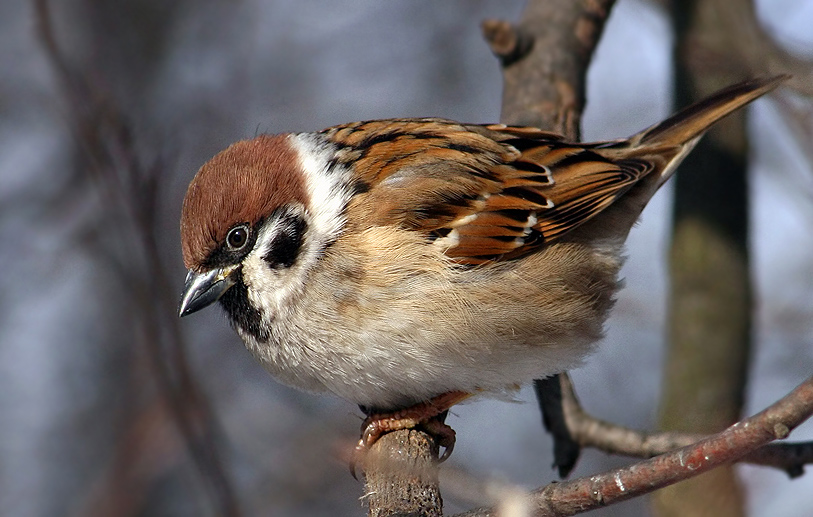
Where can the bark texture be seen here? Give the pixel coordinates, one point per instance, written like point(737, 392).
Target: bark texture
point(402, 477)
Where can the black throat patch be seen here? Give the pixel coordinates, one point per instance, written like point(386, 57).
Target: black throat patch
point(242, 313)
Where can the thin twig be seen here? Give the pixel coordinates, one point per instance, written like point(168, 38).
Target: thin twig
point(733, 444)
point(592, 432)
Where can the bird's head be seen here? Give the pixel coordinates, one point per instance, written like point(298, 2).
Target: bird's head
point(255, 218)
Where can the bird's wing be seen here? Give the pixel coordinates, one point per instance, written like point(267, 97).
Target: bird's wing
point(483, 193)
point(497, 192)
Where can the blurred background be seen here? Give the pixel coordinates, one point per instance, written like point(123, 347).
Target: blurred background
point(110, 405)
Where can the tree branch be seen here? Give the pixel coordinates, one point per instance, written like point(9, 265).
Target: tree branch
point(607, 437)
point(733, 444)
point(402, 476)
point(545, 59)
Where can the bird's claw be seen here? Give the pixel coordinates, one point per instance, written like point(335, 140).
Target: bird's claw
point(428, 416)
point(443, 434)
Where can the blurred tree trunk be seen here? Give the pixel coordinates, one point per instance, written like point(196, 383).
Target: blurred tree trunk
point(710, 301)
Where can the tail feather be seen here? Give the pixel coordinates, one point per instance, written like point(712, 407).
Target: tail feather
point(663, 146)
point(693, 121)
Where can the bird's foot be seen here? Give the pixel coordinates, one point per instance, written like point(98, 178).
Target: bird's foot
point(428, 415)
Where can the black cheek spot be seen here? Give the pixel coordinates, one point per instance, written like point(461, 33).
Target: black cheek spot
point(285, 247)
point(242, 313)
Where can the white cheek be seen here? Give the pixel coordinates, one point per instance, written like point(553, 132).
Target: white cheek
point(273, 290)
point(263, 285)
point(266, 286)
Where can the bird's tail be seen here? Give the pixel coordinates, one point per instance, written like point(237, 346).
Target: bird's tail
point(663, 146)
point(671, 140)
point(691, 122)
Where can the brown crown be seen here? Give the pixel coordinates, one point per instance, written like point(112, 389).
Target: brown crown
point(241, 184)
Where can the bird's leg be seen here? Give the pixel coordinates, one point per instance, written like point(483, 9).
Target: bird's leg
point(424, 414)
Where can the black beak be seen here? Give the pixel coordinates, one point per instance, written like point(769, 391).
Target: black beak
point(203, 289)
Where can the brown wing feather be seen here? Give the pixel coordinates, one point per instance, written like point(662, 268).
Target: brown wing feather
point(551, 188)
point(485, 193)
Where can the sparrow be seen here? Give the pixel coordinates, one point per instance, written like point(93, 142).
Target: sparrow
point(408, 264)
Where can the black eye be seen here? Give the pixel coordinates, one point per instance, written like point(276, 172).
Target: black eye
point(237, 238)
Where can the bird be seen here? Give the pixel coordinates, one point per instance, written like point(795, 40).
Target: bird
point(406, 265)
